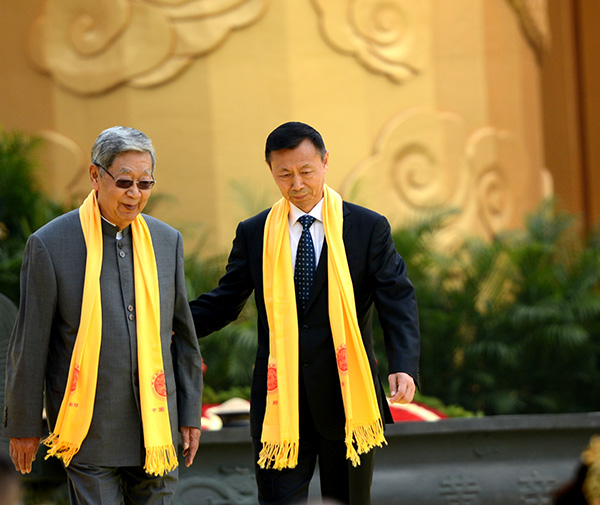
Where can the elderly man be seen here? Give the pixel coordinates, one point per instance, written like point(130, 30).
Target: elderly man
point(104, 332)
point(318, 267)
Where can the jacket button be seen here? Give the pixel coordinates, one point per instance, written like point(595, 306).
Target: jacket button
point(131, 317)
point(305, 327)
point(306, 363)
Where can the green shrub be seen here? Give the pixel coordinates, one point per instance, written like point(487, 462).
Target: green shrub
point(510, 326)
point(228, 354)
point(24, 207)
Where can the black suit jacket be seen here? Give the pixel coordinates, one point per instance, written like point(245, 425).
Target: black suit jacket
point(379, 279)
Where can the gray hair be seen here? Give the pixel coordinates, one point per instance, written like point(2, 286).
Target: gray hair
point(117, 140)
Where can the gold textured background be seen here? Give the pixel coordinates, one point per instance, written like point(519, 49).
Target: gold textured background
point(421, 103)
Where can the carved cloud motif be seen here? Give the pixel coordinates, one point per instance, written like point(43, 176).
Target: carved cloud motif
point(387, 37)
point(417, 164)
point(91, 46)
point(498, 175)
point(424, 160)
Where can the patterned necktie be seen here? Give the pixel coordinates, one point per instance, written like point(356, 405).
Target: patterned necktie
point(305, 261)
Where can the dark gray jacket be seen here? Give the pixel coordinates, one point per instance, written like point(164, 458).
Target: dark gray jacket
point(42, 341)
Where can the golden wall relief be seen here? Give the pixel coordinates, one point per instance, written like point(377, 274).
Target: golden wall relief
point(390, 38)
point(425, 162)
point(92, 46)
point(422, 159)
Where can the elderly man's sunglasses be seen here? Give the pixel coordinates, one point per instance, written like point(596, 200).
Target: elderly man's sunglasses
point(127, 183)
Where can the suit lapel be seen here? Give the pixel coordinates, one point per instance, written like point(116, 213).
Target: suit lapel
point(320, 279)
point(347, 222)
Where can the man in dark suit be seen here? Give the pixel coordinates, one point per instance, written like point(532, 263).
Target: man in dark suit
point(298, 161)
point(105, 335)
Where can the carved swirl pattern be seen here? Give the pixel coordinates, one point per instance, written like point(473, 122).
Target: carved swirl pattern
point(92, 46)
point(496, 169)
point(417, 164)
point(424, 160)
point(387, 37)
point(419, 178)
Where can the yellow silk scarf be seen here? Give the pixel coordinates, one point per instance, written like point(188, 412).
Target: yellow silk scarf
point(75, 415)
point(281, 433)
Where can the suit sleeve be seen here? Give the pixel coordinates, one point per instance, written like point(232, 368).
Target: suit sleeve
point(29, 344)
point(186, 352)
point(214, 310)
point(395, 301)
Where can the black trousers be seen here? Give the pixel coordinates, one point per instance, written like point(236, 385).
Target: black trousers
point(96, 485)
point(340, 481)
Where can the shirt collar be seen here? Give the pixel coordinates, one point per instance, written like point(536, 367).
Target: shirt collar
point(316, 212)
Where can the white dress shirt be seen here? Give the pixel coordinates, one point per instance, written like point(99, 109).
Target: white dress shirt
point(317, 232)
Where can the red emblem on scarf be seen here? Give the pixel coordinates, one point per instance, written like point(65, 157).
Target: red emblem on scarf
point(342, 358)
point(159, 385)
point(75, 379)
point(272, 378)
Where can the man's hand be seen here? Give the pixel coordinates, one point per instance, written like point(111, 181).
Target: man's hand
point(190, 438)
point(402, 388)
point(22, 452)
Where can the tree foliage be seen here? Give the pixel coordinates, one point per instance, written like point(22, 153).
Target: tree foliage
point(24, 207)
point(510, 326)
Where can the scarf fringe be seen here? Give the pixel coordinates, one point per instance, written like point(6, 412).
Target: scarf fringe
point(160, 460)
point(278, 455)
point(59, 448)
point(366, 438)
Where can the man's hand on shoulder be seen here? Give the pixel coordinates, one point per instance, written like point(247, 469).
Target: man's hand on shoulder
point(402, 388)
point(190, 437)
point(23, 451)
